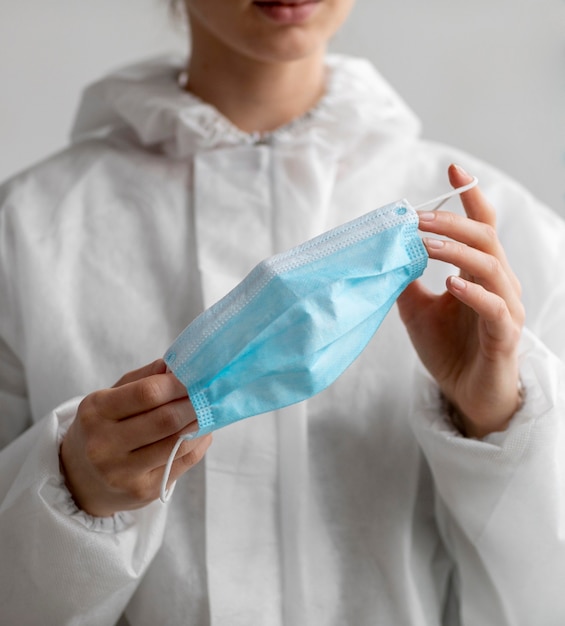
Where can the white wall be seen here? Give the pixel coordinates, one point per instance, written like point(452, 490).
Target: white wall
point(487, 75)
point(49, 49)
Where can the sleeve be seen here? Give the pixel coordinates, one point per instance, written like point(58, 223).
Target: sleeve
point(57, 564)
point(500, 502)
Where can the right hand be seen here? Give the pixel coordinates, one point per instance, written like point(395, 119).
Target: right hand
point(115, 451)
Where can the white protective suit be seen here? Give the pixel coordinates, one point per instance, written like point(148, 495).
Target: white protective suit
point(361, 506)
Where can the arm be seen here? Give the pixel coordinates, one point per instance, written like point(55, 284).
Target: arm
point(65, 557)
point(500, 504)
point(468, 337)
point(59, 562)
point(499, 490)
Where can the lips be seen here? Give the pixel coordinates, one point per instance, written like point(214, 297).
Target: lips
point(284, 2)
point(287, 12)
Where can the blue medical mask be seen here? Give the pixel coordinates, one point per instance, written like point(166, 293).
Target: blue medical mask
point(298, 320)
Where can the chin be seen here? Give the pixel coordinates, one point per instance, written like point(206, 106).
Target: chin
point(289, 47)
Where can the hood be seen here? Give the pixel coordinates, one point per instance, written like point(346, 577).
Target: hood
point(146, 99)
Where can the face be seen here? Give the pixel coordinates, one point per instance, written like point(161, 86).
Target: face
point(269, 30)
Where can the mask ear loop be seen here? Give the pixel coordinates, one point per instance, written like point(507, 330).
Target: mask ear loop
point(166, 494)
point(441, 200)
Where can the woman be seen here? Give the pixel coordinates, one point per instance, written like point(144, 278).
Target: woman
point(388, 498)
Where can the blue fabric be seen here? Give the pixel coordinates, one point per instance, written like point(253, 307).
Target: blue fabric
point(298, 320)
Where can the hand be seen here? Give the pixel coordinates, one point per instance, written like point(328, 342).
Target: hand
point(468, 336)
point(114, 453)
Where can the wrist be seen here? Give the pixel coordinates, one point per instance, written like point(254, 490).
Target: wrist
point(480, 428)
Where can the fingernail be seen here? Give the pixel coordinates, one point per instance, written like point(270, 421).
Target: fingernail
point(457, 283)
point(436, 244)
point(461, 171)
point(427, 216)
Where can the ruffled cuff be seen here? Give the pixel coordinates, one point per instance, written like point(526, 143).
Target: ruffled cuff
point(472, 476)
point(97, 562)
point(433, 412)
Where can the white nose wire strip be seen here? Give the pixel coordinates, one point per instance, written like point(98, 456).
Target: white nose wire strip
point(441, 200)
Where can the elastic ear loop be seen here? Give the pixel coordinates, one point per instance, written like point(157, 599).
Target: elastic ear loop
point(166, 494)
point(441, 200)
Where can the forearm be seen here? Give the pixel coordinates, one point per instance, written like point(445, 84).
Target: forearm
point(75, 564)
point(500, 501)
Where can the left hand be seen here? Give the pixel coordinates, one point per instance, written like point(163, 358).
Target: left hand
point(468, 336)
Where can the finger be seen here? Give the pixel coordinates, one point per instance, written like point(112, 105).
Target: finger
point(484, 269)
point(187, 457)
point(140, 396)
point(413, 301)
point(139, 481)
point(471, 233)
point(147, 428)
point(156, 454)
point(156, 367)
point(474, 202)
point(479, 209)
point(502, 329)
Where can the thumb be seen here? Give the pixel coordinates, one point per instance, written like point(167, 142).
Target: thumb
point(413, 301)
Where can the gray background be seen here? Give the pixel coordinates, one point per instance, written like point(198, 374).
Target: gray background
point(487, 76)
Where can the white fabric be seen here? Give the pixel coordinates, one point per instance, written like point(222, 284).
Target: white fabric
point(361, 506)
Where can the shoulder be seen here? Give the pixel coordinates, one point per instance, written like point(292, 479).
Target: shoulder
point(52, 177)
point(81, 177)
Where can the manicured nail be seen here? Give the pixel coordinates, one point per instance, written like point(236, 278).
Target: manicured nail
point(427, 216)
point(461, 171)
point(457, 283)
point(435, 244)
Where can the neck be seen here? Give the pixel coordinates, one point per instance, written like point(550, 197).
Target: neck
point(255, 96)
